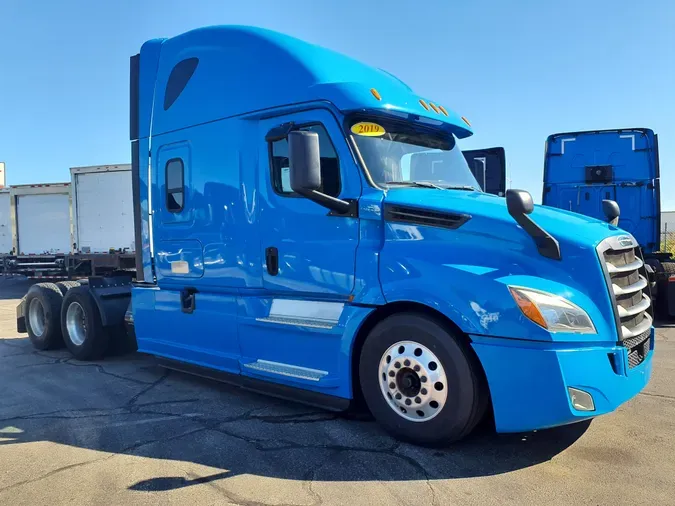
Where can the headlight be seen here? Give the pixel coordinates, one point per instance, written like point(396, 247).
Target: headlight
point(552, 312)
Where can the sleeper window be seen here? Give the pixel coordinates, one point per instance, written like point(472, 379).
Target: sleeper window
point(174, 185)
point(330, 165)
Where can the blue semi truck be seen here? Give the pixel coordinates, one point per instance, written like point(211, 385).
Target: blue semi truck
point(581, 169)
point(311, 229)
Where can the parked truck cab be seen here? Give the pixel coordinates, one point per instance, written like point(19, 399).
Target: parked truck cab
point(581, 169)
point(310, 228)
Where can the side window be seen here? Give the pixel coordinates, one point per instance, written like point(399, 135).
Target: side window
point(174, 185)
point(330, 164)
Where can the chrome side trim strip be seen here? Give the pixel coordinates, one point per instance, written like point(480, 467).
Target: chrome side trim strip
point(293, 371)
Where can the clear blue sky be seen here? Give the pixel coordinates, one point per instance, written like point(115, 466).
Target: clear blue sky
point(518, 70)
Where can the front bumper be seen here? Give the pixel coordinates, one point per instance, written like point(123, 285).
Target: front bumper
point(529, 380)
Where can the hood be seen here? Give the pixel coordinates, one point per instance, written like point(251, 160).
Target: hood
point(464, 248)
point(490, 216)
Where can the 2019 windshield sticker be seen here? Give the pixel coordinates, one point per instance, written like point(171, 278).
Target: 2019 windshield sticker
point(368, 129)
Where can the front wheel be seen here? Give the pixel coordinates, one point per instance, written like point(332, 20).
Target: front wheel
point(419, 380)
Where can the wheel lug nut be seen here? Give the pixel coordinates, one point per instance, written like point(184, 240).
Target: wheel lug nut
point(398, 396)
point(392, 373)
point(416, 368)
point(406, 362)
point(418, 400)
point(423, 379)
point(423, 391)
point(408, 402)
point(397, 365)
point(392, 385)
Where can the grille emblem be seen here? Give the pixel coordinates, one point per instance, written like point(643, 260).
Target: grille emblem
point(625, 240)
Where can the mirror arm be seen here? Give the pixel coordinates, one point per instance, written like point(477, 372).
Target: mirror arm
point(547, 245)
point(519, 205)
point(337, 206)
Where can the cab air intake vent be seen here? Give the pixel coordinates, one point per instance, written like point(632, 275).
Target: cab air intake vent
point(417, 216)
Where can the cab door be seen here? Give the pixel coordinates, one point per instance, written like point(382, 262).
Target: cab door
point(291, 331)
point(309, 252)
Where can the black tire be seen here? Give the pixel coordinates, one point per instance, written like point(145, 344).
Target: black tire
point(668, 268)
point(49, 298)
point(64, 286)
point(467, 395)
point(93, 340)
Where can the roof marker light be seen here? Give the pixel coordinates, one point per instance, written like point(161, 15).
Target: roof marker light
point(443, 110)
point(466, 121)
point(376, 94)
point(433, 106)
point(424, 104)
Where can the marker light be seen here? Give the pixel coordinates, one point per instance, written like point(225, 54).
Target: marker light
point(443, 110)
point(433, 106)
point(528, 308)
point(552, 312)
point(466, 121)
point(424, 104)
point(376, 94)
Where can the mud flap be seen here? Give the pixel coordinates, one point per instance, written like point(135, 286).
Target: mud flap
point(112, 295)
point(21, 317)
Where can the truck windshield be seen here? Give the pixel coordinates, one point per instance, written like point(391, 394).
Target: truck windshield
point(395, 153)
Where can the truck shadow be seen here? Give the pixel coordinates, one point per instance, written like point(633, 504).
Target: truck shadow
point(127, 406)
point(482, 454)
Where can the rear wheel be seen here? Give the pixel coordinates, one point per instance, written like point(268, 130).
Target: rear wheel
point(420, 382)
point(43, 312)
point(64, 286)
point(668, 268)
point(83, 333)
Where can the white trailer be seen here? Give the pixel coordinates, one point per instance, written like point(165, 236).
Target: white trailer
point(5, 223)
point(73, 230)
point(41, 218)
point(40, 224)
point(103, 218)
point(668, 222)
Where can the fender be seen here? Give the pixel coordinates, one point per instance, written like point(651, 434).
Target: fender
point(112, 296)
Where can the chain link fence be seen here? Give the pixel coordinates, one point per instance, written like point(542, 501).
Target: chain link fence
point(668, 241)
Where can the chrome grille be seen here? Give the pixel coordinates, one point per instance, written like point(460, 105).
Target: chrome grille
point(627, 283)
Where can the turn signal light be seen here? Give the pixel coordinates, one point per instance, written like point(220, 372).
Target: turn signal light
point(529, 309)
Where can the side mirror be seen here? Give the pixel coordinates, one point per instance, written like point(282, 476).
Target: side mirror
point(519, 202)
point(612, 211)
point(304, 161)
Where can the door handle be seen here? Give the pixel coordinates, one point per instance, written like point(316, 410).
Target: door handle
point(188, 300)
point(272, 260)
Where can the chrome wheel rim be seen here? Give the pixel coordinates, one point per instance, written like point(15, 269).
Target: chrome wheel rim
point(75, 323)
point(36, 317)
point(413, 381)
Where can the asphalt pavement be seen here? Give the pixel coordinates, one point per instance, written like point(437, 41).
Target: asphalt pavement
point(125, 431)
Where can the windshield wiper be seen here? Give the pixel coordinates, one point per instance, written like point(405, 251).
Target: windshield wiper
point(427, 184)
point(419, 184)
point(464, 187)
